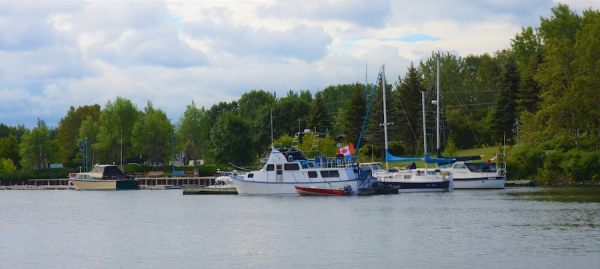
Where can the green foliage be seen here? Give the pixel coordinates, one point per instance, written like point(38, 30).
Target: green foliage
point(36, 174)
point(524, 163)
point(340, 124)
point(506, 102)
point(37, 148)
point(87, 131)
point(153, 128)
point(365, 153)
point(194, 125)
point(254, 108)
point(312, 145)
point(68, 129)
point(318, 118)
point(408, 98)
point(450, 149)
point(7, 166)
point(284, 141)
point(236, 148)
point(115, 129)
point(354, 115)
point(9, 149)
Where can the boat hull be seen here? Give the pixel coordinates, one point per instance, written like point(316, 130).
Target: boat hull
point(442, 186)
point(313, 191)
point(480, 183)
point(93, 184)
point(245, 187)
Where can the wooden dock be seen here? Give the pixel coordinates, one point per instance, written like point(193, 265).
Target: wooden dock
point(521, 183)
point(203, 190)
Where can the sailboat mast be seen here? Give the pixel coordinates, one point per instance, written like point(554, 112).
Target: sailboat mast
point(424, 132)
point(437, 121)
point(384, 113)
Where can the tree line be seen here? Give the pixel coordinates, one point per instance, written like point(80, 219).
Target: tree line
point(546, 86)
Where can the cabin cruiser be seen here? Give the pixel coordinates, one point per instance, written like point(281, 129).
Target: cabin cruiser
point(104, 177)
point(289, 167)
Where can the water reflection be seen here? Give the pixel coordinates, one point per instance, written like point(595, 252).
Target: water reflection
point(562, 194)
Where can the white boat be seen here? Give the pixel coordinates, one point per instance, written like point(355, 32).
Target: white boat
point(469, 175)
point(289, 167)
point(104, 177)
point(409, 180)
point(223, 185)
point(479, 175)
point(413, 180)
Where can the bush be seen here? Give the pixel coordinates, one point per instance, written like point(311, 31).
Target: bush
point(582, 166)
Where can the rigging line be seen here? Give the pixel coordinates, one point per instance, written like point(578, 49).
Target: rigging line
point(464, 114)
point(480, 91)
point(461, 105)
point(407, 120)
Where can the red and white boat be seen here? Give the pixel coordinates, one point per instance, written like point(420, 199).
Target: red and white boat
point(324, 191)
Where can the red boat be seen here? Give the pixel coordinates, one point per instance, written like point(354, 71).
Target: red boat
point(316, 191)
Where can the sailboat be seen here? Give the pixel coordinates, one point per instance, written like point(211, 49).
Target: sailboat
point(409, 179)
point(467, 175)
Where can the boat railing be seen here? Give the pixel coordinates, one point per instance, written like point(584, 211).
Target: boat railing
point(333, 162)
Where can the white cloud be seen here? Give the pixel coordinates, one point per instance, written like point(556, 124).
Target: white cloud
point(57, 54)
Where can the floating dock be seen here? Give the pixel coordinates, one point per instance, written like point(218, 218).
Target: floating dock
point(203, 190)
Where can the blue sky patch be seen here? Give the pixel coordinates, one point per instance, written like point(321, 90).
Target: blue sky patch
point(177, 21)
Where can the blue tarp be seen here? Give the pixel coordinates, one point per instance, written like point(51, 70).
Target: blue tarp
point(438, 160)
point(391, 158)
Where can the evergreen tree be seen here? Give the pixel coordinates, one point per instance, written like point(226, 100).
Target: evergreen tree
point(505, 113)
point(375, 132)
point(529, 91)
point(408, 96)
point(355, 115)
point(318, 118)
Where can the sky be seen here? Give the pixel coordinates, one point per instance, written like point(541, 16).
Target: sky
point(58, 54)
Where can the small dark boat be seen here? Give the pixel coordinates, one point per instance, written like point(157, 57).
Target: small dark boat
point(324, 191)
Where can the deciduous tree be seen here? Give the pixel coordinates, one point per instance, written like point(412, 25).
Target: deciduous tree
point(116, 125)
point(231, 140)
point(151, 134)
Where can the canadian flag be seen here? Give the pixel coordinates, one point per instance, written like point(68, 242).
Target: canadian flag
point(495, 157)
point(347, 150)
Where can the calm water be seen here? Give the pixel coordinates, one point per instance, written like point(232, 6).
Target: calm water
point(512, 228)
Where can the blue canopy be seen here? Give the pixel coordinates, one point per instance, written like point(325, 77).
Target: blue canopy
point(391, 158)
point(437, 160)
point(462, 158)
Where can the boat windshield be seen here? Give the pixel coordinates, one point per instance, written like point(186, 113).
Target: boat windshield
point(96, 169)
point(481, 167)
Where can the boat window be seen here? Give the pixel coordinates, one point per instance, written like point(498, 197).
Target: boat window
point(270, 167)
point(330, 173)
point(250, 175)
point(291, 166)
point(312, 174)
